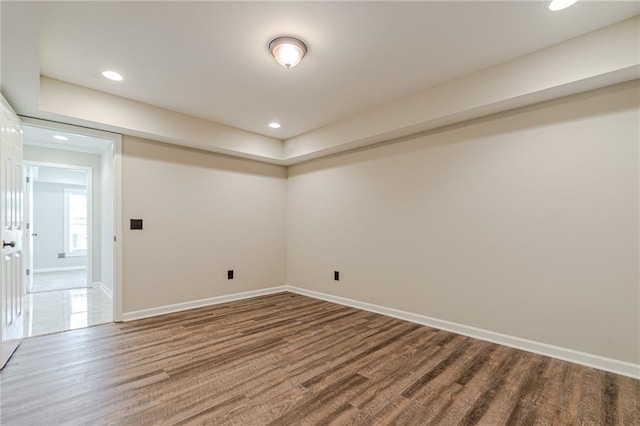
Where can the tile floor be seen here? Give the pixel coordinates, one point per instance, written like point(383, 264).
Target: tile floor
point(55, 311)
point(60, 280)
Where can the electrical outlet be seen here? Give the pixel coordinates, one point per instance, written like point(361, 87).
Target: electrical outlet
point(336, 275)
point(230, 274)
point(61, 255)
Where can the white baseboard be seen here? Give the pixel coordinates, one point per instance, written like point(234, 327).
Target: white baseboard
point(577, 357)
point(106, 290)
point(60, 269)
point(152, 312)
point(570, 355)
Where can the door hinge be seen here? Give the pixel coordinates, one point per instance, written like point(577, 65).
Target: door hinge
point(28, 272)
point(114, 238)
point(28, 179)
point(28, 225)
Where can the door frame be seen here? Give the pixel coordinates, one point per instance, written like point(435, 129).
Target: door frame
point(90, 212)
point(116, 140)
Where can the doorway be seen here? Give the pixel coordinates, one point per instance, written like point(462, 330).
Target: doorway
point(69, 244)
point(59, 212)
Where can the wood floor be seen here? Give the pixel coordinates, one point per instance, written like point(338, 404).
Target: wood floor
point(286, 359)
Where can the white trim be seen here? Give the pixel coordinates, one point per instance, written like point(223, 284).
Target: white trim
point(577, 357)
point(90, 212)
point(565, 354)
point(117, 229)
point(60, 269)
point(152, 312)
point(106, 290)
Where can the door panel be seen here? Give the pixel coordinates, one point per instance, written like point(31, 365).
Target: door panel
point(28, 227)
point(11, 220)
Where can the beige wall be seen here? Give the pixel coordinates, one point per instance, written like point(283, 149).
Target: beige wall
point(606, 56)
point(525, 223)
point(81, 105)
point(203, 214)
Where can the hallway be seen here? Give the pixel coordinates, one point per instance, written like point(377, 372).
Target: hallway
point(61, 310)
point(59, 280)
point(69, 207)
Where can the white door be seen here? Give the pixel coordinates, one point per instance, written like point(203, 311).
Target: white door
point(12, 270)
point(29, 228)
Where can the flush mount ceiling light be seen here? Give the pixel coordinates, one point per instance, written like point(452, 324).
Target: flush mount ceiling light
point(556, 5)
point(288, 51)
point(274, 125)
point(61, 138)
point(112, 75)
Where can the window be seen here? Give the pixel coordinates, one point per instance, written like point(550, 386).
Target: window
point(75, 221)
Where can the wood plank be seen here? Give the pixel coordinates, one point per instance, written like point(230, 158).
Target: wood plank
point(289, 359)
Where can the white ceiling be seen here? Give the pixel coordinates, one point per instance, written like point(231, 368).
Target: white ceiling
point(43, 137)
point(210, 59)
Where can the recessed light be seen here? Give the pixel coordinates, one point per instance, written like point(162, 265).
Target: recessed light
point(112, 75)
point(274, 125)
point(556, 5)
point(61, 138)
